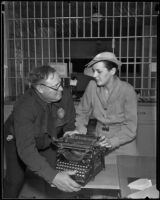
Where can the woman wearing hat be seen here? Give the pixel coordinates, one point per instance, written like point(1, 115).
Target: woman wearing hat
point(113, 103)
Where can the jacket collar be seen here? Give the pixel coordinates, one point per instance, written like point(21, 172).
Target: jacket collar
point(38, 98)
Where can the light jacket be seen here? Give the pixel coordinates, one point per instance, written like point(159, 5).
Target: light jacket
point(118, 113)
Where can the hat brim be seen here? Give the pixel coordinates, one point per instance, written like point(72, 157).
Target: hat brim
point(92, 62)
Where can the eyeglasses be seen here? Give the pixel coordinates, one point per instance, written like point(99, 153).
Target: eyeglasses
point(53, 88)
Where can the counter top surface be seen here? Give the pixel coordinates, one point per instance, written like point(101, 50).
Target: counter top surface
point(131, 168)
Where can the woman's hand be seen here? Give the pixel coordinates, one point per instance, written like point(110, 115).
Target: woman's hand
point(105, 142)
point(82, 130)
point(71, 133)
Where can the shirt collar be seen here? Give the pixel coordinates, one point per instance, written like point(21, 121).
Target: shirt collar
point(113, 93)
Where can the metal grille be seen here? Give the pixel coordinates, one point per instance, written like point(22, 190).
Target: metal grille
point(42, 32)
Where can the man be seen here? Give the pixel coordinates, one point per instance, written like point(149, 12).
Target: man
point(44, 112)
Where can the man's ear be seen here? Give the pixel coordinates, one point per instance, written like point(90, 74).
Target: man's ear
point(39, 88)
point(113, 71)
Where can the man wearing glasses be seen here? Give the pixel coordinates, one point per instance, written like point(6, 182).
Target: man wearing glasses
point(44, 112)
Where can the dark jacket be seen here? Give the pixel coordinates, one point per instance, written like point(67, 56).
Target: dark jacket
point(34, 123)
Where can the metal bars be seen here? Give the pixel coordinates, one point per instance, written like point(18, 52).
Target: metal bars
point(150, 53)
point(42, 31)
point(113, 28)
point(55, 11)
point(98, 19)
point(35, 43)
point(49, 56)
point(21, 62)
point(127, 44)
point(62, 35)
point(15, 54)
point(91, 21)
point(135, 47)
point(116, 26)
point(76, 19)
point(69, 41)
point(142, 66)
point(106, 19)
point(83, 19)
point(120, 38)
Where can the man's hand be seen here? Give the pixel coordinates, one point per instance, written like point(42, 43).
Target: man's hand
point(64, 182)
point(104, 142)
point(71, 133)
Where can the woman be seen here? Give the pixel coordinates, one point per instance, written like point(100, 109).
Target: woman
point(113, 103)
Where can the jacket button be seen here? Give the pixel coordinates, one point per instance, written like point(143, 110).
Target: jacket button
point(105, 128)
point(9, 137)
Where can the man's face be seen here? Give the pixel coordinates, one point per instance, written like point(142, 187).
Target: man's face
point(51, 89)
point(101, 74)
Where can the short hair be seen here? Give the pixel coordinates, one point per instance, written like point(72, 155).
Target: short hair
point(38, 74)
point(109, 65)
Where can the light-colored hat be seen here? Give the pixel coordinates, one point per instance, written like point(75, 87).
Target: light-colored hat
point(109, 56)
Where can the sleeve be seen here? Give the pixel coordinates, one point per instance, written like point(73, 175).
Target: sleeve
point(43, 142)
point(26, 144)
point(129, 127)
point(70, 111)
point(84, 109)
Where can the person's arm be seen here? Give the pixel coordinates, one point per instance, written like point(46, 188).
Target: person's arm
point(128, 130)
point(70, 113)
point(43, 142)
point(25, 132)
point(84, 109)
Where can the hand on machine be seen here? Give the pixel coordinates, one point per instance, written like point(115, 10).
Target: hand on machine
point(104, 142)
point(83, 131)
point(70, 133)
point(64, 181)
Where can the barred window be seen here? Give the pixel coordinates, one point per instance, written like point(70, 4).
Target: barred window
point(67, 32)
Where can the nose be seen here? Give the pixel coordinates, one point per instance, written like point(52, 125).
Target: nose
point(60, 88)
point(95, 74)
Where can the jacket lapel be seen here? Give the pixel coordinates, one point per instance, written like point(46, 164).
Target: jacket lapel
point(115, 91)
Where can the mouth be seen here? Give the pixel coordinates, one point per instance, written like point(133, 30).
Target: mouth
point(98, 81)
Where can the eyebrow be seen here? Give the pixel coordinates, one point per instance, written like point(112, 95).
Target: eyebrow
point(98, 70)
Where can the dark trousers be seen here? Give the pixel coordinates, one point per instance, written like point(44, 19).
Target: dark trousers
point(15, 171)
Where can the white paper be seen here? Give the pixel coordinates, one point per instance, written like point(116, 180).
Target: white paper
point(140, 184)
point(150, 192)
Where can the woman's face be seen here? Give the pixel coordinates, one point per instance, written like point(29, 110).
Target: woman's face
point(101, 74)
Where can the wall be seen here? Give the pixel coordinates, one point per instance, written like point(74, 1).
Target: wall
point(146, 130)
point(89, 48)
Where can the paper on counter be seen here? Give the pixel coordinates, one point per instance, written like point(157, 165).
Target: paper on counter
point(140, 184)
point(150, 192)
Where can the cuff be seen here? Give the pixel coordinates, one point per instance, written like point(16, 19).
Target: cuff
point(49, 174)
point(115, 142)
